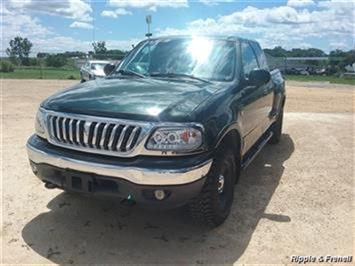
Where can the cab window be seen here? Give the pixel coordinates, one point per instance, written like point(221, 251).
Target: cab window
point(249, 59)
point(260, 56)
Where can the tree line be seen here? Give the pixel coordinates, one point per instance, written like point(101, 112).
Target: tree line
point(19, 51)
point(20, 48)
point(338, 59)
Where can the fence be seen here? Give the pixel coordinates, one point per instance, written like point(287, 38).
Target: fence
point(287, 63)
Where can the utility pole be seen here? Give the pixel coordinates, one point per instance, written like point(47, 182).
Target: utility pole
point(148, 20)
point(93, 23)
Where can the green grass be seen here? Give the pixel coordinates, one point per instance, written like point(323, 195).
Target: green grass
point(331, 79)
point(45, 73)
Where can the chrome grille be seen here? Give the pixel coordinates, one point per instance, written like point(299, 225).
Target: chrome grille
point(99, 136)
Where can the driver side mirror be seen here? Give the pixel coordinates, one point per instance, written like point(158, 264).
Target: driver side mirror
point(259, 77)
point(108, 69)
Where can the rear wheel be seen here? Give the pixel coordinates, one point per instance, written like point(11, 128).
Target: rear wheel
point(276, 128)
point(212, 206)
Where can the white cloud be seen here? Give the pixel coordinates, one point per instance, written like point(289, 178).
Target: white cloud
point(338, 45)
point(81, 25)
point(109, 14)
point(283, 25)
point(14, 24)
point(214, 2)
point(148, 4)
point(15, 21)
point(73, 9)
point(115, 13)
point(59, 44)
point(300, 3)
point(122, 44)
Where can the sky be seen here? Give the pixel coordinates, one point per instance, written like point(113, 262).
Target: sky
point(70, 25)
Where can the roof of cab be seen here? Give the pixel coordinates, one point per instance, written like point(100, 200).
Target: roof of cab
point(219, 37)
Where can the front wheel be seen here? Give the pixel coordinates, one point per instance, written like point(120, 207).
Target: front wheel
point(212, 206)
point(81, 78)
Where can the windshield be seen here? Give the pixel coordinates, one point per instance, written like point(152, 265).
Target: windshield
point(199, 57)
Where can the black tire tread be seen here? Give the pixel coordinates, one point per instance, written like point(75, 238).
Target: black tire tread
point(203, 207)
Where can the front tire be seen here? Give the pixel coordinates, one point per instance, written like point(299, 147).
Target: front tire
point(81, 78)
point(212, 206)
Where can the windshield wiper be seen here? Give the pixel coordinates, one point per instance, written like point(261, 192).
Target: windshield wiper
point(127, 72)
point(176, 75)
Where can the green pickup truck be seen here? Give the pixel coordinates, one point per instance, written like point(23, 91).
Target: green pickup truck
point(172, 125)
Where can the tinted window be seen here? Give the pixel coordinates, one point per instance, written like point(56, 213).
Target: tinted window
point(260, 56)
point(249, 59)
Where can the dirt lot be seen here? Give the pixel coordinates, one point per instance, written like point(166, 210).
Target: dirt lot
point(294, 199)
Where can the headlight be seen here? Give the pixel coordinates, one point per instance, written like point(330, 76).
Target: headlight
point(175, 139)
point(40, 124)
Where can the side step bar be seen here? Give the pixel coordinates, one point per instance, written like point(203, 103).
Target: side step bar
point(254, 151)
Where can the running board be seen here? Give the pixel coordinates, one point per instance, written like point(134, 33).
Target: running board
point(255, 151)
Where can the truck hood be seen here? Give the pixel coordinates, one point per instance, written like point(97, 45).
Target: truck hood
point(132, 98)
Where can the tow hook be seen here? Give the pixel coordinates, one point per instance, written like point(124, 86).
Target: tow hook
point(50, 185)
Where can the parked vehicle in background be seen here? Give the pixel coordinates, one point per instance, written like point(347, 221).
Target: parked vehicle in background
point(297, 71)
point(93, 69)
point(290, 71)
point(172, 125)
point(321, 71)
point(304, 72)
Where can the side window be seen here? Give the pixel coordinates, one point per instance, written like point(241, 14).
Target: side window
point(249, 60)
point(260, 56)
point(140, 62)
point(130, 54)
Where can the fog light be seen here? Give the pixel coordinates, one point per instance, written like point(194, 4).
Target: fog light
point(159, 194)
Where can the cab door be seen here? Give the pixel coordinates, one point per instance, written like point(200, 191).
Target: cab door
point(252, 99)
point(267, 89)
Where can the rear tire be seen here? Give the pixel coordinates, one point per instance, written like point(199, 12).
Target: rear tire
point(276, 128)
point(212, 206)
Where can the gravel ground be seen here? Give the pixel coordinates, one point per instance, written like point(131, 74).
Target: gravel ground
point(294, 199)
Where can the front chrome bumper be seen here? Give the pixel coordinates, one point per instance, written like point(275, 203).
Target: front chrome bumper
point(141, 176)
